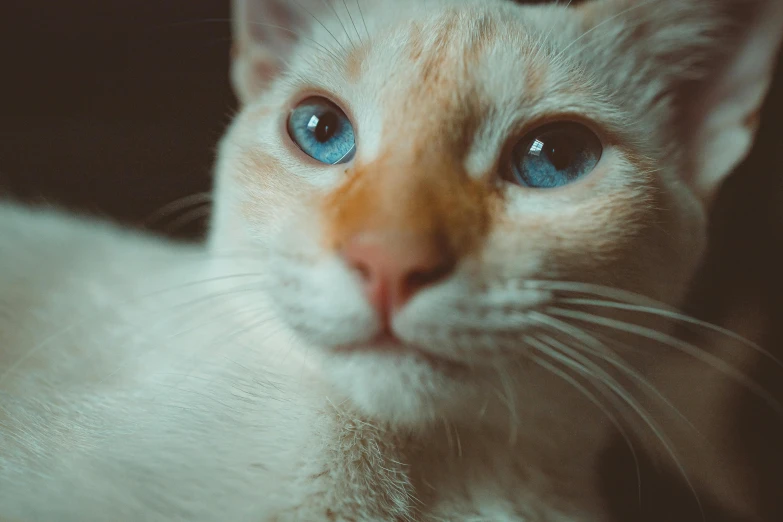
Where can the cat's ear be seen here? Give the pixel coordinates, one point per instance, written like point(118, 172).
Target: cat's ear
point(714, 58)
point(265, 33)
point(726, 107)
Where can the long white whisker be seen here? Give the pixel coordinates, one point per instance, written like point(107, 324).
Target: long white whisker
point(79, 322)
point(201, 324)
point(618, 294)
point(509, 392)
point(200, 212)
point(449, 440)
point(623, 394)
point(321, 24)
point(301, 36)
point(674, 316)
point(599, 349)
point(598, 26)
point(182, 203)
point(542, 41)
point(685, 347)
point(569, 355)
point(225, 339)
point(605, 410)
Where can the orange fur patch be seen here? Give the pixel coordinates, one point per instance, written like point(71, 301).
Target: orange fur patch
point(433, 200)
point(433, 63)
point(354, 62)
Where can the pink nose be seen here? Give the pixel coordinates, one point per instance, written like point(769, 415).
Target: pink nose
point(394, 269)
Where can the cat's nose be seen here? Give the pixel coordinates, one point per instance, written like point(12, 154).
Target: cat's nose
point(394, 269)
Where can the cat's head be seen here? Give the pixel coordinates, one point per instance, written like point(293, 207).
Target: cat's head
point(424, 181)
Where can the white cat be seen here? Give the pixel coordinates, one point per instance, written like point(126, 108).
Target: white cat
point(384, 324)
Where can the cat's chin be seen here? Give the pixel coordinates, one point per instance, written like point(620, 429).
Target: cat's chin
point(400, 385)
point(389, 346)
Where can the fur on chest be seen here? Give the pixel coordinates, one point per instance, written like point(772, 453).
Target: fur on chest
point(368, 473)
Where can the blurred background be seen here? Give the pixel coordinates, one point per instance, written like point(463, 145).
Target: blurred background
point(114, 107)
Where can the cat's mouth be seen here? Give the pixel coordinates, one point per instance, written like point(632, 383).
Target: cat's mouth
point(389, 345)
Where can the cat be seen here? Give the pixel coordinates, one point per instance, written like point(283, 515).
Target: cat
point(447, 240)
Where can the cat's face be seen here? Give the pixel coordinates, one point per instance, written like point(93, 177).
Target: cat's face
point(416, 175)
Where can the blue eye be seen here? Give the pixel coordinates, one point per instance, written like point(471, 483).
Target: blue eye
point(555, 155)
point(322, 131)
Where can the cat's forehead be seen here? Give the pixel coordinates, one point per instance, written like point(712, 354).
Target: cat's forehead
point(467, 48)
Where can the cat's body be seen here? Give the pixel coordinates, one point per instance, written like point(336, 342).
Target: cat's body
point(389, 332)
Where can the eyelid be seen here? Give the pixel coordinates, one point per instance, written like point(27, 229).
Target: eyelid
point(317, 92)
point(606, 137)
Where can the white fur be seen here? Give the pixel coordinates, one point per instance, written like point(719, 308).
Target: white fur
point(142, 379)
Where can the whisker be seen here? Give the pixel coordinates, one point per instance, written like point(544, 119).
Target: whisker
point(685, 347)
point(201, 212)
point(364, 22)
point(321, 24)
point(567, 355)
point(609, 292)
point(632, 301)
point(449, 440)
point(508, 390)
point(599, 349)
point(345, 4)
point(90, 318)
point(340, 20)
point(677, 317)
point(605, 410)
point(301, 36)
point(598, 26)
point(201, 324)
point(542, 40)
point(191, 284)
point(225, 339)
point(178, 204)
point(623, 394)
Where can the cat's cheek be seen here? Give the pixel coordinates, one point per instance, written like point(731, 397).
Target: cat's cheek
point(316, 295)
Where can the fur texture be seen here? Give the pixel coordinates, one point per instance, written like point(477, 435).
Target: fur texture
point(145, 380)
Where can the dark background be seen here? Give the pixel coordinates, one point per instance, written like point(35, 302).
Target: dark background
point(114, 107)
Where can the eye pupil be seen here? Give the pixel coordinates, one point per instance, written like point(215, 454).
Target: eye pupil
point(326, 127)
point(561, 152)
